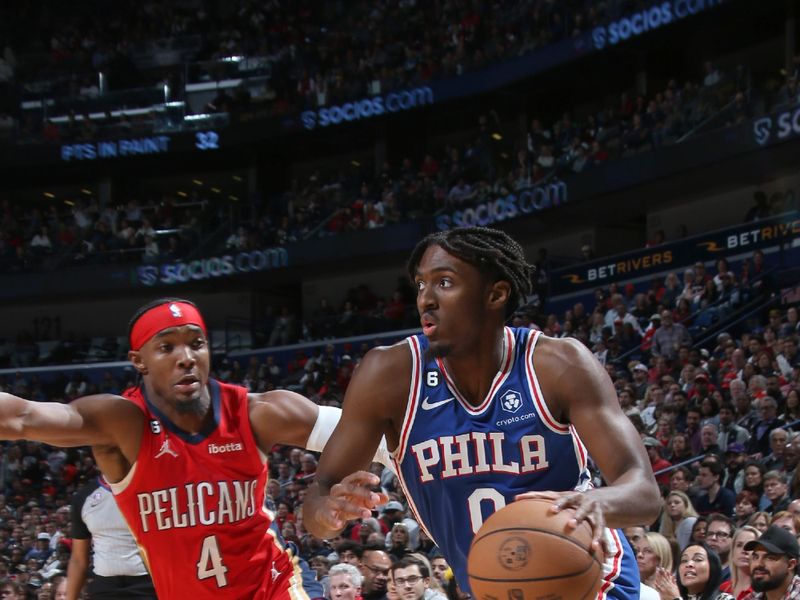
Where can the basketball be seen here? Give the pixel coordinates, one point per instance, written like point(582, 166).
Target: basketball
point(523, 552)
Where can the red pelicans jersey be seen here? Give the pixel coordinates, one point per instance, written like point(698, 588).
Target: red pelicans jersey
point(195, 505)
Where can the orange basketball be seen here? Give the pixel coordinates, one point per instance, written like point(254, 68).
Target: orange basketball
point(522, 552)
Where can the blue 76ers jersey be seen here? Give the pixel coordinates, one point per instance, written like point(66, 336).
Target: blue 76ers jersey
point(458, 463)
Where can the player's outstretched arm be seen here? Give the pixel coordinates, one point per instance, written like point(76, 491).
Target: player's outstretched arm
point(283, 417)
point(578, 390)
point(373, 406)
point(102, 420)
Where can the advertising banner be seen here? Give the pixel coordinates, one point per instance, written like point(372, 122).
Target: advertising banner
point(677, 255)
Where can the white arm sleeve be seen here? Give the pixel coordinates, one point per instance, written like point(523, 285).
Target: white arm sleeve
point(327, 419)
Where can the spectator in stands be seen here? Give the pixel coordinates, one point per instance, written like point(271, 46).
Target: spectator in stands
point(708, 440)
point(746, 506)
point(739, 582)
point(719, 537)
point(699, 576)
point(729, 431)
point(669, 337)
point(713, 498)
point(759, 442)
point(652, 551)
point(773, 561)
point(344, 582)
point(678, 518)
point(778, 439)
point(777, 492)
point(375, 566)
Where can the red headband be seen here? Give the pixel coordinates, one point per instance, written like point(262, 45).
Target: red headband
point(161, 317)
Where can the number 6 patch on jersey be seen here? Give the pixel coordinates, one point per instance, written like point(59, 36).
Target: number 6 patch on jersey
point(432, 378)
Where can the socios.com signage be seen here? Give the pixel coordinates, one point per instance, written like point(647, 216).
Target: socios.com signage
point(209, 268)
point(656, 16)
point(525, 202)
point(777, 128)
point(367, 108)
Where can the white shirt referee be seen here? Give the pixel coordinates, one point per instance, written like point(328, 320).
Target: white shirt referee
point(97, 523)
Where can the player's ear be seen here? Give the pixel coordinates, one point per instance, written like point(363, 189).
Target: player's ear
point(499, 294)
point(135, 357)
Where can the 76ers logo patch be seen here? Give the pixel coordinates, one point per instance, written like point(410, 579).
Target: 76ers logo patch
point(511, 401)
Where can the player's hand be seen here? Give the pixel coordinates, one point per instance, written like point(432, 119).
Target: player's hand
point(585, 507)
point(352, 498)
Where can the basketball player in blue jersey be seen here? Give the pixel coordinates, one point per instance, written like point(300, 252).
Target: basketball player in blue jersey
point(479, 414)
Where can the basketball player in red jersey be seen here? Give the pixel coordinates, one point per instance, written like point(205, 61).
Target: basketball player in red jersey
point(186, 459)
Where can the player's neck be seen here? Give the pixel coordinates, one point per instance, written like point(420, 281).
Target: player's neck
point(192, 417)
point(473, 372)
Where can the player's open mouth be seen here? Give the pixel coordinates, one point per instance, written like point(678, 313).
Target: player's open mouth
point(428, 324)
point(188, 383)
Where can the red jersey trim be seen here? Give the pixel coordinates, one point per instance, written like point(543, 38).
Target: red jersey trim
point(533, 383)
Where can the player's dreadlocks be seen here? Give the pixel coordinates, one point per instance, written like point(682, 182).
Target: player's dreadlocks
point(143, 309)
point(491, 251)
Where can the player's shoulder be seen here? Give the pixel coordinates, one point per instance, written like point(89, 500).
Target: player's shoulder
point(112, 405)
point(558, 351)
point(394, 358)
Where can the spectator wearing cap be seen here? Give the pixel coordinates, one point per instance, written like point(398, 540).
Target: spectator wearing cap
point(773, 560)
point(639, 382)
point(735, 459)
point(392, 513)
point(702, 387)
point(669, 338)
point(657, 462)
point(729, 431)
point(41, 549)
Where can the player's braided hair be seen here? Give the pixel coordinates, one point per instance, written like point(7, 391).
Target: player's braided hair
point(143, 309)
point(491, 251)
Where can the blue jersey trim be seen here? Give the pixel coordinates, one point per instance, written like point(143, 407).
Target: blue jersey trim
point(190, 438)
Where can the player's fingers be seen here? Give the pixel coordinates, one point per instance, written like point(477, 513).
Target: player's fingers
point(342, 510)
point(358, 495)
point(538, 496)
point(572, 500)
point(598, 523)
point(363, 478)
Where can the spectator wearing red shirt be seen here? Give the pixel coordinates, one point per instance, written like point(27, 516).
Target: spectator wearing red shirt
point(653, 447)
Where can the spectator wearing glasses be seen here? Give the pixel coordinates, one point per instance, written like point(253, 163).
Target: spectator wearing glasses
point(719, 536)
point(375, 566)
point(411, 579)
